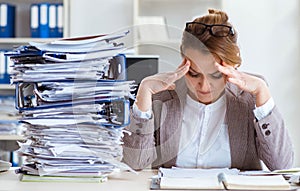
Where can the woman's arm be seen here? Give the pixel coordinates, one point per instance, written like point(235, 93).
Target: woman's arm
point(273, 142)
point(139, 149)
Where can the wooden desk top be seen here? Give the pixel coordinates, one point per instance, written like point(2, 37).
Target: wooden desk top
point(9, 181)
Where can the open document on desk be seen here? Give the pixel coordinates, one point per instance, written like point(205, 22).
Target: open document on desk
point(216, 179)
point(74, 111)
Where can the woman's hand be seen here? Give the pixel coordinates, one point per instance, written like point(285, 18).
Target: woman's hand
point(165, 81)
point(157, 83)
point(246, 82)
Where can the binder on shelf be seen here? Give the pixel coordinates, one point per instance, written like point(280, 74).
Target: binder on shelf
point(60, 19)
point(52, 20)
point(44, 20)
point(34, 21)
point(7, 20)
point(4, 68)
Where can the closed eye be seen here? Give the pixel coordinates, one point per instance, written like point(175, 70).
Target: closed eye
point(217, 75)
point(193, 74)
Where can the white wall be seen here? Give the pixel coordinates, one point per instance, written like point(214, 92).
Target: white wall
point(268, 37)
point(269, 40)
point(90, 17)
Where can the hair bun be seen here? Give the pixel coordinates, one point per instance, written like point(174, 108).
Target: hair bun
point(223, 16)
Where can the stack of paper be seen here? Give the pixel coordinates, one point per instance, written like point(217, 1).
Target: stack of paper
point(73, 107)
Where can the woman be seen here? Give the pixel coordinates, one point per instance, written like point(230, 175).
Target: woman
point(207, 114)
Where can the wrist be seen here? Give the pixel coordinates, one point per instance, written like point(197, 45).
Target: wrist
point(143, 98)
point(262, 94)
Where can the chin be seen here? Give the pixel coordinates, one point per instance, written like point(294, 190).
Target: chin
point(205, 102)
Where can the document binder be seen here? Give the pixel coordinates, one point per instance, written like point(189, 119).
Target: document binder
point(52, 20)
point(4, 68)
point(44, 20)
point(60, 19)
point(7, 20)
point(34, 21)
point(112, 113)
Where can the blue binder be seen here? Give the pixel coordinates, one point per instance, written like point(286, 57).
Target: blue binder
point(4, 75)
point(34, 21)
point(116, 110)
point(53, 20)
point(7, 20)
point(44, 20)
point(2, 67)
point(60, 20)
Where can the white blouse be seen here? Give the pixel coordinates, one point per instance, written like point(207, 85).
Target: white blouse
point(204, 140)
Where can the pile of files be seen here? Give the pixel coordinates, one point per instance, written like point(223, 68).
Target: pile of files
point(74, 99)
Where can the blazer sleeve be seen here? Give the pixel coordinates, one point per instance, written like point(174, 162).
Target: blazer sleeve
point(273, 142)
point(139, 145)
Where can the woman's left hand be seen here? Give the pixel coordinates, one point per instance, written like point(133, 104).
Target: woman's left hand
point(246, 82)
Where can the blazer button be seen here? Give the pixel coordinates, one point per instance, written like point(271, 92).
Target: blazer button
point(138, 131)
point(265, 125)
point(268, 132)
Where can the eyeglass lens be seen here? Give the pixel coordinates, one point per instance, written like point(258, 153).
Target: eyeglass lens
point(216, 30)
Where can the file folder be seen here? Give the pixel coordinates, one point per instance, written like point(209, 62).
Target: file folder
point(44, 20)
point(60, 20)
point(52, 20)
point(7, 20)
point(34, 21)
point(4, 68)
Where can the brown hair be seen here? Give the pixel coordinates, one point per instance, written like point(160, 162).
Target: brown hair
point(224, 48)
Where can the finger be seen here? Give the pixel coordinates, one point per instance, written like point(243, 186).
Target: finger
point(226, 69)
point(180, 72)
point(182, 63)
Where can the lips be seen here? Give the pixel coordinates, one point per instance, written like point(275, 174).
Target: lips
point(204, 93)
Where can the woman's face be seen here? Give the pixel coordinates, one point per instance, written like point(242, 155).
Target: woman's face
point(205, 83)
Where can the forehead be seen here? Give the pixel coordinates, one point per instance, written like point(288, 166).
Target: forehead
point(201, 62)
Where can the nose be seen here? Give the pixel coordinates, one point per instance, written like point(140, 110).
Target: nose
point(204, 84)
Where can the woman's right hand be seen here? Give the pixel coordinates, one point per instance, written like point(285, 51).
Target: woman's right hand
point(157, 83)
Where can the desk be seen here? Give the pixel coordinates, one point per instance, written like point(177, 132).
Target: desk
point(9, 181)
point(124, 181)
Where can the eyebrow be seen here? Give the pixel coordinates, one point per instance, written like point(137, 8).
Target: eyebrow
point(216, 72)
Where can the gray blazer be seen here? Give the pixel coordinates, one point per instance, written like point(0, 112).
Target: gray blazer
point(155, 141)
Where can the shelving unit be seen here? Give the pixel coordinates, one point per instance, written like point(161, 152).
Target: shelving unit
point(175, 13)
point(22, 18)
point(22, 27)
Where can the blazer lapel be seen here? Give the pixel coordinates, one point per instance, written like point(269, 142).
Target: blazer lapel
point(171, 121)
point(237, 127)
